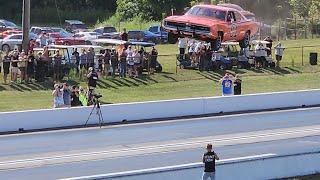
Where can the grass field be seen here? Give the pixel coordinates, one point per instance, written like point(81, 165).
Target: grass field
point(186, 83)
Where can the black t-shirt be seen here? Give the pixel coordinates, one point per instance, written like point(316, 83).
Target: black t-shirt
point(14, 58)
point(124, 36)
point(209, 161)
point(92, 80)
point(75, 99)
point(237, 87)
point(77, 56)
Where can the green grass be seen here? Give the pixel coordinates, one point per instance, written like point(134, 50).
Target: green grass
point(169, 85)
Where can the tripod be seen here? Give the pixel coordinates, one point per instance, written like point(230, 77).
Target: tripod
point(96, 107)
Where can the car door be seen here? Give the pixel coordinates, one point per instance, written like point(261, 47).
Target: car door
point(232, 26)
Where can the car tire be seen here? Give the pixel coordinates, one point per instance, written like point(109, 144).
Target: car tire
point(172, 38)
point(222, 66)
point(246, 41)
point(5, 47)
point(240, 65)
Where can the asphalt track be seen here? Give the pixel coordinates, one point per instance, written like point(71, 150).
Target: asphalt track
point(81, 152)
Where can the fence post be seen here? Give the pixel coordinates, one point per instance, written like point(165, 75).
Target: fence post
point(279, 30)
point(302, 56)
point(312, 26)
point(295, 28)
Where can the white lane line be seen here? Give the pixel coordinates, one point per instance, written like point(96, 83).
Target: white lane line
point(259, 136)
point(166, 168)
point(169, 121)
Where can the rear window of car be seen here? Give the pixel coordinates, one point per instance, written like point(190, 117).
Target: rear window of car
point(153, 29)
point(16, 37)
point(207, 12)
point(79, 26)
point(109, 30)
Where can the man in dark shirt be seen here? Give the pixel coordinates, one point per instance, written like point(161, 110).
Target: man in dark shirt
point(209, 160)
point(237, 85)
point(77, 58)
point(124, 35)
point(92, 78)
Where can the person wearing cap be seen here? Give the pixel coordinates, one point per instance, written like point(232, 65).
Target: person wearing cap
point(209, 159)
point(227, 85)
point(92, 78)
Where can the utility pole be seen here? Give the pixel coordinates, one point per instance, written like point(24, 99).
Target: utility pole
point(25, 25)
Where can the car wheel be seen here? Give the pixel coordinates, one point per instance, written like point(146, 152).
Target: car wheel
point(240, 66)
point(222, 67)
point(246, 41)
point(172, 38)
point(5, 47)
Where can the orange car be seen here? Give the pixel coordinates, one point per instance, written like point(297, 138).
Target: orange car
point(214, 24)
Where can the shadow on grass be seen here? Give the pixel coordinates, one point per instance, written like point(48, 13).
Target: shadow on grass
point(170, 78)
point(293, 70)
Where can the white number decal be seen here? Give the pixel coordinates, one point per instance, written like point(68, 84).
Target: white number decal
point(233, 30)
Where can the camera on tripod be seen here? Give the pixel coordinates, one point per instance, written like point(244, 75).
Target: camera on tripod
point(97, 96)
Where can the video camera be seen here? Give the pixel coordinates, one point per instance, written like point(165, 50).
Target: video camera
point(97, 96)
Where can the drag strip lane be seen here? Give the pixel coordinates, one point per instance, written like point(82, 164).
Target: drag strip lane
point(159, 147)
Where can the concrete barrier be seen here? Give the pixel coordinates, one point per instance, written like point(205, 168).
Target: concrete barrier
point(55, 118)
point(267, 166)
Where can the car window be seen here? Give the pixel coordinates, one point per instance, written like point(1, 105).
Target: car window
point(10, 24)
point(100, 30)
point(79, 26)
point(238, 17)
point(16, 37)
point(153, 29)
point(231, 17)
point(93, 34)
point(1, 24)
point(207, 12)
point(109, 30)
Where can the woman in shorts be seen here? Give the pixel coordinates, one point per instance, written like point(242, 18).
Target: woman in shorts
point(14, 65)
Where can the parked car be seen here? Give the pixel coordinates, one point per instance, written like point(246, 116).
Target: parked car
point(74, 26)
point(87, 36)
point(61, 31)
point(73, 40)
point(9, 32)
point(10, 42)
point(143, 36)
point(39, 30)
point(13, 40)
point(7, 25)
point(160, 32)
point(107, 32)
point(210, 23)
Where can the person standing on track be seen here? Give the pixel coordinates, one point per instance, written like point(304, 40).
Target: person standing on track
point(209, 160)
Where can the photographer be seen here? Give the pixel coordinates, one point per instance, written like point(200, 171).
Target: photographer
point(57, 96)
point(92, 78)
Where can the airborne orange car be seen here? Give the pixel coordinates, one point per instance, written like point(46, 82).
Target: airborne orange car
point(214, 24)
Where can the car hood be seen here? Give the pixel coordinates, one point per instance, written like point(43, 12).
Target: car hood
point(204, 21)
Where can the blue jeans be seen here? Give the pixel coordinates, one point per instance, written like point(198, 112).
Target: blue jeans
point(123, 69)
point(207, 175)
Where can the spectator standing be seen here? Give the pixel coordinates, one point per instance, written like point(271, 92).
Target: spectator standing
point(114, 61)
point(90, 57)
point(57, 97)
point(92, 78)
point(123, 64)
point(75, 101)
point(124, 35)
point(83, 59)
point(209, 160)
point(83, 97)
point(130, 61)
point(153, 60)
point(14, 65)
point(227, 85)
point(192, 51)
point(237, 85)
point(279, 50)
point(6, 61)
point(77, 58)
point(30, 66)
point(57, 66)
point(22, 65)
point(259, 55)
point(182, 44)
point(43, 39)
point(39, 76)
point(137, 62)
point(203, 57)
point(106, 59)
point(66, 95)
point(269, 46)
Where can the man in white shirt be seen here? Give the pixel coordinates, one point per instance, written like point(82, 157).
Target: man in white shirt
point(279, 49)
point(182, 44)
point(260, 52)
